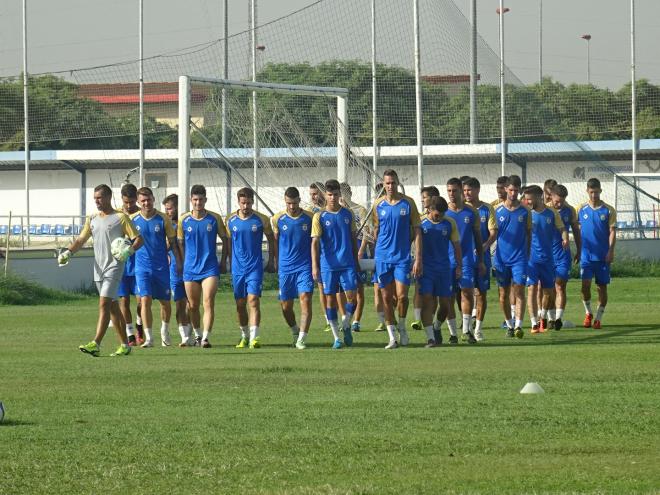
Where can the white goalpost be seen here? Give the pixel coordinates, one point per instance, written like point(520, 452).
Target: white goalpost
point(281, 125)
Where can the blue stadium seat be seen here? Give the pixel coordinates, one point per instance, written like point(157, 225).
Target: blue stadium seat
point(59, 229)
point(45, 229)
point(68, 229)
point(650, 224)
point(76, 229)
point(621, 225)
point(16, 230)
point(33, 229)
point(4, 229)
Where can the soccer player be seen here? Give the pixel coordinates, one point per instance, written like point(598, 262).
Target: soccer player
point(178, 290)
point(396, 222)
point(598, 229)
point(488, 229)
point(469, 233)
point(292, 229)
point(197, 232)
point(127, 286)
point(246, 229)
point(152, 271)
point(104, 227)
point(378, 297)
point(317, 204)
point(514, 223)
point(427, 194)
point(500, 186)
point(436, 285)
point(334, 259)
point(548, 186)
point(546, 223)
point(562, 257)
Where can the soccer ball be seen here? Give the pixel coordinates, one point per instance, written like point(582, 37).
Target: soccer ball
point(120, 248)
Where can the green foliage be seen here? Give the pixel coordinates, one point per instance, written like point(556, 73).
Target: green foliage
point(18, 291)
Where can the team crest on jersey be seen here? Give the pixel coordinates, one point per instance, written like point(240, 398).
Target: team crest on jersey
point(402, 212)
point(483, 219)
point(444, 232)
point(304, 227)
point(209, 228)
point(284, 227)
point(426, 231)
point(521, 218)
point(602, 217)
point(548, 221)
point(157, 228)
point(466, 220)
point(347, 221)
point(254, 227)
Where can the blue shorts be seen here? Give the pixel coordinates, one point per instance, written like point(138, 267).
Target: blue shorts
point(294, 284)
point(482, 282)
point(389, 272)
point(563, 267)
point(177, 289)
point(199, 277)
point(439, 284)
point(541, 272)
point(598, 269)
point(467, 278)
point(127, 286)
point(155, 284)
point(513, 272)
point(333, 280)
point(248, 283)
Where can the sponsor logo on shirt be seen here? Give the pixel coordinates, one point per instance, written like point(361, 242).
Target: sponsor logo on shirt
point(189, 229)
point(284, 227)
point(327, 223)
point(234, 228)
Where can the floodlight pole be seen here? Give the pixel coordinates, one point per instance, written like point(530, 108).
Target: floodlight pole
point(374, 123)
point(473, 73)
point(141, 75)
point(184, 143)
point(225, 71)
point(633, 100)
point(26, 128)
point(418, 99)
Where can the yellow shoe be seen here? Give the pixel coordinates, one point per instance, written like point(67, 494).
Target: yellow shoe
point(256, 343)
point(242, 344)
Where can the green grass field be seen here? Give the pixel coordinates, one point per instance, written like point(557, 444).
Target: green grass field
point(360, 420)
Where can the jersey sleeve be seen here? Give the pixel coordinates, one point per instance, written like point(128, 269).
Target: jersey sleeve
point(86, 231)
point(317, 229)
point(374, 216)
point(453, 236)
point(169, 230)
point(612, 211)
point(222, 230)
point(558, 221)
point(268, 228)
point(179, 226)
point(354, 226)
point(492, 224)
point(274, 220)
point(128, 228)
point(414, 214)
point(572, 215)
point(226, 225)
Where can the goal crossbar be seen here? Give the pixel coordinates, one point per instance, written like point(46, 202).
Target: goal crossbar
point(273, 87)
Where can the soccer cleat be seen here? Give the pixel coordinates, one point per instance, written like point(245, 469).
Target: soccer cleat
point(558, 324)
point(140, 331)
point(535, 329)
point(337, 344)
point(147, 343)
point(183, 344)
point(430, 343)
point(551, 324)
point(348, 336)
point(381, 328)
point(242, 344)
point(355, 327)
point(417, 325)
point(198, 342)
point(588, 318)
point(543, 325)
point(165, 343)
point(469, 337)
point(206, 344)
point(122, 351)
point(255, 343)
point(479, 336)
point(327, 327)
point(453, 340)
point(392, 345)
point(518, 332)
point(131, 340)
point(510, 333)
point(295, 340)
point(597, 325)
point(403, 335)
point(301, 345)
point(437, 336)
point(165, 340)
point(504, 326)
point(92, 349)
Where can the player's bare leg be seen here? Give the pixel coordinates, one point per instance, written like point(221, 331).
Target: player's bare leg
point(586, 301)
point(118, 322)
point(519, 291)
point(453, 301)
point(254, 307)
point(194, 295)
point(481, 305)
point(602, 302)
point(505, 306)
point(533, 302)
point(388, 295)
point(417, 323)
point(559, 303)
point(359, 308)
point(147, 321)
point(467, 303)
point(165, 316)
point(402, 303)
point(380, 311)
point(429, 305)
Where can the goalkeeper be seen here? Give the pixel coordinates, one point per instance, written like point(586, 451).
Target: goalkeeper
point(104, 227)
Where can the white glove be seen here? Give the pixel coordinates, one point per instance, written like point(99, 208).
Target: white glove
point(127, 254)
point(63, 258)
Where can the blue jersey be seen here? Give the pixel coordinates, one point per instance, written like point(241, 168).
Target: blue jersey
point(437, 243)
point(545, 224)
point(595, 224)
point(466, 218)
point(335, 231)
point(152, 256)
point(294, 241)
point(486, 224)
point(395, 223)
point(568, 218)
point(199, 242)
point(246, 237)
point(174, 274)
point(513, 228)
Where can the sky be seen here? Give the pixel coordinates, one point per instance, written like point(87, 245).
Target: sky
point(69, 34)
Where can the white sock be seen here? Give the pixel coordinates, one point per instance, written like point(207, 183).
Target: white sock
point(513, 310)
point(295, 330)
point(327, 321)
point(254, 332)
point(534, 320)
point(356, 321)
point(429, 332)
point(205, 335)
point(138, 320)
point(477, 326)
point(164, 330)
point(381, 317)
point(346, 320)
point(552, 314)
point(301, 336)
point(110, 324)
point(418, 313)
point(474, 312)
point(147, 334)
point(559, 314)
point(518, 324)
point(245, 332)
point(509, 323)
point(391, 329)
point(587, 307)
point(467, 319)
point(334, 326)
point(198, 332)
point(402, 323)
point(451, 324)
point(130, 330)
point(544, 314)
point(599, 313)
point(538, 313)
point(182, 333)
point(436, 324)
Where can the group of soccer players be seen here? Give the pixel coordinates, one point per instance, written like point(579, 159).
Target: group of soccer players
point(445, 253)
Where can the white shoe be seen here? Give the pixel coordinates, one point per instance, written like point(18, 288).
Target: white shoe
point(479, 336)
point(147, 343)
point(165, 343)
point(301, 345)
point(165, 339)
point(392, 345)
point(403, 335)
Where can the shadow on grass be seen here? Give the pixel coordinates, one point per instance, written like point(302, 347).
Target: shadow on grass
point(8, 423)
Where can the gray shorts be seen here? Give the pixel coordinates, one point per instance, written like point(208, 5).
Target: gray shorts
point(108, 287)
